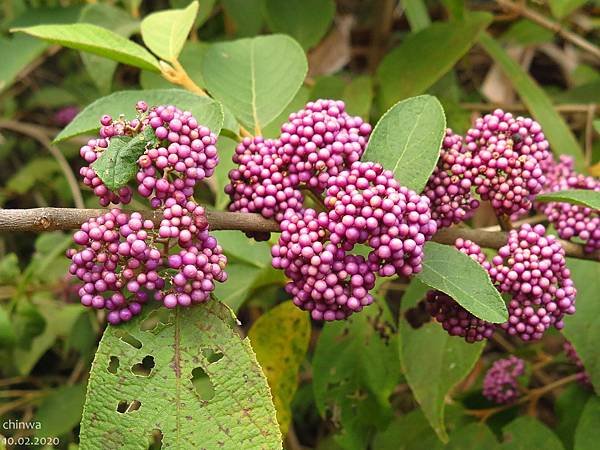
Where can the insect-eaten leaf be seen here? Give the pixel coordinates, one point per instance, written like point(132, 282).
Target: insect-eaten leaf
point(118, 163)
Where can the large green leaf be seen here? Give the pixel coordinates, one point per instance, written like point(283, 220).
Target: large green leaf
point(407, 140)
point(204, 387)
point(60, 411)
point(584, 197)
point(555, 128)
point(589, 422)
point(245, 16)
point(464, 279)
point(568, 408)
point(358, 95)
point(280, 339)
point(235, 291)
point(583, 327)
point(117, 164)
point(355, 368)
point(255, 78)
point(207, 111)
point(432, 378)
point(97, 40)
point(165, 32)
point(205, 8)
point(526, 433)
point(100, 69)
point(424, 57)
point(16, 53)
point(307, 21)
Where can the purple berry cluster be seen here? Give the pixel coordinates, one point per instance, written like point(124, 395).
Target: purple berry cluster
point(125, 259)
point(572, 221)
point(117, 264)
point(366, 204)
point(500, 383)
point(507, 159)
point(583, 377)
point(449, 186)
point(532, 268)
point(320, 140)
point(261, 183)
point(325, 279)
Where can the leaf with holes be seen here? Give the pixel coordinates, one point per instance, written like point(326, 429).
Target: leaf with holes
point(165, 32)
point(407, 140)
point(207, 111)
point(458, 275)
point(255, 78)
point(118, 163)
point(355, 369)
point(280, 339)
point(583, 197)
point(189, 377)
point(433, 363)
point(96, 40)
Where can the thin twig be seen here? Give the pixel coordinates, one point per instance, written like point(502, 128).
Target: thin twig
point(34, 133)
point(557, 28)
point(48, 219)
point(533, 396)
point(519, 107)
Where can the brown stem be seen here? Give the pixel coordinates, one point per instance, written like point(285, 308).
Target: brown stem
point(35, 133)
point(48, 219)
point(557, 28)
point(504, 222)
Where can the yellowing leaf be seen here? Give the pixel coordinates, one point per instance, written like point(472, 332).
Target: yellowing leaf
point(280, 339)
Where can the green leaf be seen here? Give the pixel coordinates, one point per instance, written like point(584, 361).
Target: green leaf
point(100, 69)
point(205, 388)
point(280, 339)
point(407, 140)
point(583, 328)
point(165, 32)
point(525, 32)
point(584, 197)
point(458, 275)
point(27, 322)
point(273, 130)
point(585, 434)
point(34, 173)
point(473, 436)
point(117, 164)
point(96, 40)
point(432, 378)
point(245, 15)
point(526, 433)
point(562, 8)
point(238, 247)
point(568, 408)
point(416, 14)
point(9, 269)
point(255, 78)
point(235, 290)
point(59, 318)
point(555, 128)
point(404, 72)
point(204, 9)
point(307, 21)
point(60, 411)
point(327, 86)
point(207, 111)
point(358, 95)
point(408, 432)
point(7, 334)
point(16, 53)
point(355, 369)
